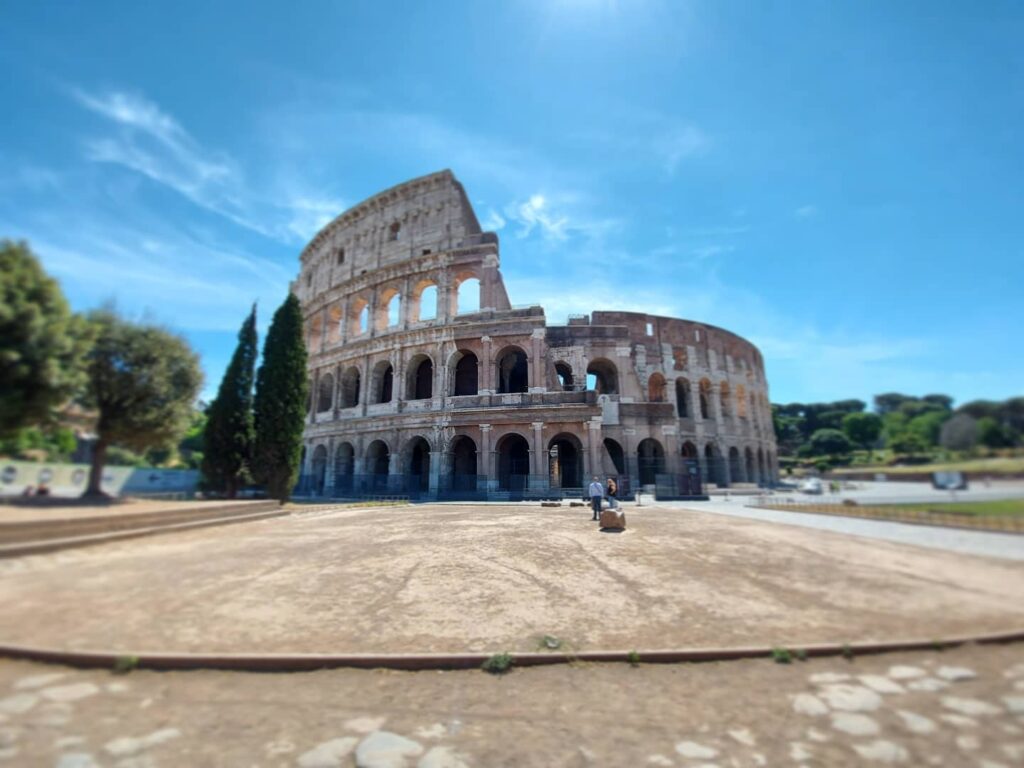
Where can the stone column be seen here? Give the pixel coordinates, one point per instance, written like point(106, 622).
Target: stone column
point(438, 468)
point(538, 378)
point(594, 446)
point(538, 465)
point(486, 372)
point(323, 329)
point(394, 471)
point(487, 459)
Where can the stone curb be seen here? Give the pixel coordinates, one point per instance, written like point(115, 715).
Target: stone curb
point(305, 662)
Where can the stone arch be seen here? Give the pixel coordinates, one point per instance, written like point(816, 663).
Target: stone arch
point(419, 384)
point(563, 371)
point(378, 464)
point(389, 309)
point(762, 476)
point(705, 399)
point(748, 466)
point(465, 373)
point(358, 316)
point(463, 456)
point(513, 459)
point(325, 393)
point(656, 388)
point(723, 398)
point(741, 401)
point(565, 461)
point(513, 370)
point(344, 467)
point(319, 470)
point(713, 469)
point(349, 387)
point(334, 324)
point(613, 455)
point(688, 451)
point(466, 293)
point(382, 382)
point(683, 398)
point(606, 376)
point(416, 464)
point(735, 465)
point(313, 334)
point(423, 301)
point(650, 456)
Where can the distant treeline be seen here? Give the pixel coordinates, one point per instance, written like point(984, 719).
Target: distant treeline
point(905, 424)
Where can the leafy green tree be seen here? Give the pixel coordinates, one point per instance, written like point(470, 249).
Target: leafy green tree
point(142, 382)
point(228, 439)
point(280, 405)
point(829, 442)
point(992, 434)
point(863, 429)
point(960, 433)
point(908, 443)
point(41, 342)
point(190, 449)
point(928, 425)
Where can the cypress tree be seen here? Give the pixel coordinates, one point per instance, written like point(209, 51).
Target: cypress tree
point(229, 435)
point(280, 409)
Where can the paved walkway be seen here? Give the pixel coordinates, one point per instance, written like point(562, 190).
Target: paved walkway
point(1002, 545)
point(962, 708)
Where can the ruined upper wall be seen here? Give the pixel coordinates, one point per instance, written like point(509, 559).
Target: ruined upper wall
point(422, 216)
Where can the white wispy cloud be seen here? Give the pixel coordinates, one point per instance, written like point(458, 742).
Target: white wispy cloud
point(493, 222)
point(806, 212)
point(679, 143)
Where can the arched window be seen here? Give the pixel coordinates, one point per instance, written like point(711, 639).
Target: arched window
point(334, 324)
point(723, 397)
point(465, 374)
point(344, 467)
point(420, 384)
point(650, 457)
point(564, 373)
point(378, 461)
point(424, 303)
point(394, 231)
point(389, 309)
point(513, 371)
point(325, 397)
point(683, 398)
point(705, 399)
point(467, 297)
point(382, 384)
point(741, 401)
point(656, 388)
point(605, 375)
point(358, 316)
point(350, 387)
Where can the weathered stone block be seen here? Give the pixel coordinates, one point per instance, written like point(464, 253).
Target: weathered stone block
point(613, 518)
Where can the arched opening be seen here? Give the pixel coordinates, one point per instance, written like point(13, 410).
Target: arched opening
point(564, 373)
point(344, 467)
point(325, 393)
point(417, 465)
point(315, 332)
point(382, 383)
point(605, 375)
point(650, 457)
point(463, 464)
point(753, 407)
point(378, 462)
point(656, 388)
point(723, 398)
point(513, 371)
point(424, 302)
point(748, 455)
point(689, 450)
point(615, 457)
point(466, 378)
point(513, 462)
point(334, 324)
point(350, 387)
point(319, 470)
point(390, 312)
point(741, 401)
point(565, 461)
point(735, 466)
point(761, 474)
point(467, 296)
point(421, 378)
point(712, 472)
point(705, 399)
point(682, 398)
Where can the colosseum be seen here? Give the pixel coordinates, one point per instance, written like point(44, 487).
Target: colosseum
point(426, 381)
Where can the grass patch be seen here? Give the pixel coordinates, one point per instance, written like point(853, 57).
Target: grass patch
point(993, 466)
point(125, 664)
point(498, 664)
point(781, 655)
point(1001, 507)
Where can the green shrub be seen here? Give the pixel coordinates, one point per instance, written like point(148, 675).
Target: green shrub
point(498, 664)
point(125, 664)
point(781, 655)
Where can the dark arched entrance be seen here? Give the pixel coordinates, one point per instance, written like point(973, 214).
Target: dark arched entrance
point(513, 463)
point(650, 461)
point(319, 469)
point(344, 466)
point(513, 371)
point(565, 461)
point(466, 375)
point(616, 455)
point(418, 466)
point(712, 472)
point(463, 465)
point(378, 461)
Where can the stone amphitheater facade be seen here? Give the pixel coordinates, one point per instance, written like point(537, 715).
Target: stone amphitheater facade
point(426, 381)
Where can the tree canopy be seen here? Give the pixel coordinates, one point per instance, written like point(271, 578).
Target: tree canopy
point(41, 342)
point(280, 404)
point(142, 381)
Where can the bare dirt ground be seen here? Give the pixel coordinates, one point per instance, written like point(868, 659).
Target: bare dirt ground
point(438, 578)
point(956, 708)
point(54, 509)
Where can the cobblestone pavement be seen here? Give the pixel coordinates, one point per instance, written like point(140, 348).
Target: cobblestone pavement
point(1008, 546)
point(963, 707)
point(435, 578)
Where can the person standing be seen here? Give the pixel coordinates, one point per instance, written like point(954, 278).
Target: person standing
point(612, 490)
point(596, 494)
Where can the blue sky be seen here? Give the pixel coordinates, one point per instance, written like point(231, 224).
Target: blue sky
point(841, 183)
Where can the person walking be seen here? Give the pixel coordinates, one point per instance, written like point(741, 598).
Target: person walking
point(612, 490)
point(596, 494)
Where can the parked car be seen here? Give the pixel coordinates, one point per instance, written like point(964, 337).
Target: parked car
point(812, 485)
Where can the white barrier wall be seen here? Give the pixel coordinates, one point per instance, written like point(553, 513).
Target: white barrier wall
point(70, 479)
